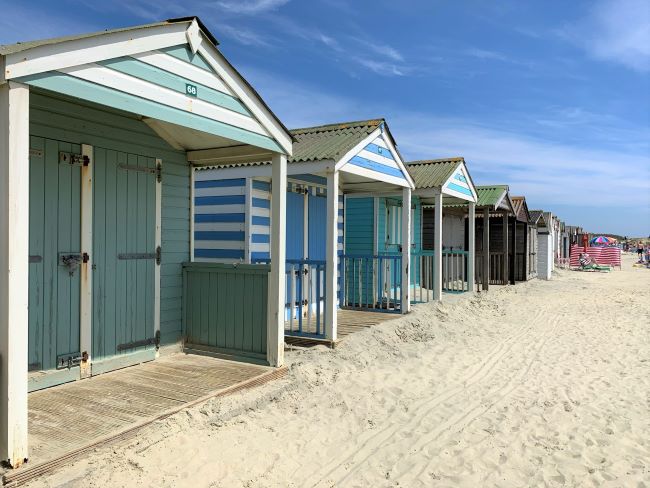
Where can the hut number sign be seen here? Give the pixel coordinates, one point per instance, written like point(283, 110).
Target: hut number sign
point(190, 90)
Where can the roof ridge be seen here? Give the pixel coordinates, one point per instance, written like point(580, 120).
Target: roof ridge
point(453, 159)
point(339, 125)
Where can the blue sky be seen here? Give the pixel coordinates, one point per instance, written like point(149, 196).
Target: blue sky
point(551, 97)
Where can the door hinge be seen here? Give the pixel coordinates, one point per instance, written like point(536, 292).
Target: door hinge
point(67, 361)
point(74, 159)
point(158, 255)
point(159, 172)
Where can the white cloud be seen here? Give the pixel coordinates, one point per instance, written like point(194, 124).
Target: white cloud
point(251, 7)
point(616, 31)
point(246, 37)
point(382, 67)
point(485, 54)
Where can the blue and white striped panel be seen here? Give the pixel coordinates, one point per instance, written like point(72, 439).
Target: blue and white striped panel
point(341, 225)
point(260, 245)
point(458, 184)
point(377, 157)
point(219, 220)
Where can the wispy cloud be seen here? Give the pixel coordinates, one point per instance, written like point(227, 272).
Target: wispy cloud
point(382, 68)
point(485, 54)
point(251, 7)
point(244, 36)
point(616, 31)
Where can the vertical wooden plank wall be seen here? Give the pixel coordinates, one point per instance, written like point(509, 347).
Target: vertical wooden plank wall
point(77, 122)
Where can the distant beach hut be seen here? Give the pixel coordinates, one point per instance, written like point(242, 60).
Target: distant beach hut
point(546, 238)
point(524, 235)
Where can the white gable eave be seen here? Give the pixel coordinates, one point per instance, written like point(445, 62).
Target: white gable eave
point(459, 185)
point(375, 157)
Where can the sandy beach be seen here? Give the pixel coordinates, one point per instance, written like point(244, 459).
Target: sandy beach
point(545, 383)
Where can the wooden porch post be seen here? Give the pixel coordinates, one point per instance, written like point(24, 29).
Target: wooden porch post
point(406, 250)
point(437, 248)
point(506, 255)
point(486, 248)
point(14, 270)
point(331, 255)
point(471, 247)
point(275, 341)
point(513, 263)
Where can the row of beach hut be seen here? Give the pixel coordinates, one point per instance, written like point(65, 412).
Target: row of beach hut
point(150, 200)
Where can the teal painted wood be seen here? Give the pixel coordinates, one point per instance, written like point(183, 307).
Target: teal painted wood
point(160, 77)
point(225, 307)
point(55, 217)
point(84, 90)
point(84, 122)
point(185, 54)
point(124, 223)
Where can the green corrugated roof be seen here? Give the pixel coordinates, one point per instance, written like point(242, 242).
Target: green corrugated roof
point(322, 143)
point(432, 173)
point(488, 196)
point(330, 142)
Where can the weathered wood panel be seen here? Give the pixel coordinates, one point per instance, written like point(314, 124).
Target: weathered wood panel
point(225, 308)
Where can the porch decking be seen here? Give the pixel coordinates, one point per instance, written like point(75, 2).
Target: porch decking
point(349, 322)
point(67, 420)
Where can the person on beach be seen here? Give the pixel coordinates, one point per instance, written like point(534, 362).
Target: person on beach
point(639, 252)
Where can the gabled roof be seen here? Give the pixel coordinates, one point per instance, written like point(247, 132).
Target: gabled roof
point(535, 216)
point(491, 196)
point(432, 173)
point(332, 141)
point(47, 62)
point(521, 208)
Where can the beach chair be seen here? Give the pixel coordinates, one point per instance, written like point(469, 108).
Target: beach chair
point(587, 264)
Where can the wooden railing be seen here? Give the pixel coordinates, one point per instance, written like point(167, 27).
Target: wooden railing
point(454, 271)
point(370, 282)
point(497, 276)
point(305, 298)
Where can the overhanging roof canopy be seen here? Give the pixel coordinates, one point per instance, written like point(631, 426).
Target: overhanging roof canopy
point(494, 197)
point(364, 151)
point(171, 73)
point(521, 209)
point(448, 176)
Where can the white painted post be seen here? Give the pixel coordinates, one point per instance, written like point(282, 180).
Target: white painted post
point(437, 248)
point(486, 249)
point(86, 302)
point(248, 219)
point(158, 243)
point(406, 250)
point(275, 338)
point(471, 247)
point(14, 271)
point(331, 255)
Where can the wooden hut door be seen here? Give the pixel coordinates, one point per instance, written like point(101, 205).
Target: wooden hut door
point(54, 257)
point(124, 258)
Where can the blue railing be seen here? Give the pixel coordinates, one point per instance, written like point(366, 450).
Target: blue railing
point(304, 297)
point(370, 282)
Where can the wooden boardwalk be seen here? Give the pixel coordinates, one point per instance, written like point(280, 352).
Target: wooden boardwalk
point(349, 322)
point(67, 420)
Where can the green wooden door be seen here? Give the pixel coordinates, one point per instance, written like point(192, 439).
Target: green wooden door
point(54, 239)
point(124, 223)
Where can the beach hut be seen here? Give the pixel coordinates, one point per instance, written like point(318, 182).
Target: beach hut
point(433, 247)
point(97, 136)
point(330, 165)
point(492, 240)
point(546, 238)
point(524, 235)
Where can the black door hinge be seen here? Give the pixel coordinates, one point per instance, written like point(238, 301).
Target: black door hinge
point(74, 159)
point(158, 255)
point(159, 172)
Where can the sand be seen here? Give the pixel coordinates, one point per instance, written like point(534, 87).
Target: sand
point(545, 383)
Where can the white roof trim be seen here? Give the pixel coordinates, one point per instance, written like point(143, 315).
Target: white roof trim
point(67, 54)
point(247, 96)
point(453, 193)
point(342, 163)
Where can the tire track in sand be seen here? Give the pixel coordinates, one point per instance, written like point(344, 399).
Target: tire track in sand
point(483, 370)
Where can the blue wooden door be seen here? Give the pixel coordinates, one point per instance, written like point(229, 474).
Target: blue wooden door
point(295, 225)
point(124, 250)
point(317, 231)
point(54, 248)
